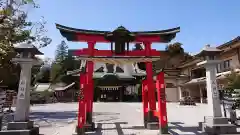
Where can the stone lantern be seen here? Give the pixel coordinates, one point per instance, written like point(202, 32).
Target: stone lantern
point(214, 123)
point(26, 52)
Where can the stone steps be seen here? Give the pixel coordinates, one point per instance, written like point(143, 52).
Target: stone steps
point(33, 131)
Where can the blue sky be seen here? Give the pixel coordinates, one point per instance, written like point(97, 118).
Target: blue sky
point(202, 22)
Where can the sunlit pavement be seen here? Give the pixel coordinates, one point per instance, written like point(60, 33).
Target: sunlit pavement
point(115, 118)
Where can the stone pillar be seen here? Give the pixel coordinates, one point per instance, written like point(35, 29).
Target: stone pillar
point(179, 93)
point(201, 96)
point(23, 97)
point(212, 91)
point(22, 124)
point(214, 123)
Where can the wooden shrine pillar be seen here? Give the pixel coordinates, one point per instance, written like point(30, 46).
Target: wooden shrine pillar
point(82, 104)
point(150, 85)
point(162, 107)
point(90, 84)
point(145, 102)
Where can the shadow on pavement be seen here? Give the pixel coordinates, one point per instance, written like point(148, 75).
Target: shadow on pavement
point(118, 128)
point(53, 115)
point(178, 125)
point(104, 113)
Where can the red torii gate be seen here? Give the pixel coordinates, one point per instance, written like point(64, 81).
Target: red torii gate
point(151, 114)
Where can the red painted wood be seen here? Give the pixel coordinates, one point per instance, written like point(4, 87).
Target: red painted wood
point(109, 53)
point(100, 38)
point(152, 38)
point(90, 66)
point(82, 114)
point(156, 113)
point(162, 100)
point(150, 82)
point(144, 98)
point(82, 102)
point(90, 38)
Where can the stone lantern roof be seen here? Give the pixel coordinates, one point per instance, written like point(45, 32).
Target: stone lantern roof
point(208, 50)
point(26, 46)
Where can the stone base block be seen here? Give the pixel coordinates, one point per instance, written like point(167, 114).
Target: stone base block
point(217, 125)
point(200, 125)
point(20, 125)
point(219, 129)
point(32, 131)
point(215, 120)
point(153, 125)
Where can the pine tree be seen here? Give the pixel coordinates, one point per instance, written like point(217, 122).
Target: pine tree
point(59, 66)
point(61, 53)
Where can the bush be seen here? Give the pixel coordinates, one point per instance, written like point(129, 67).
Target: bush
point(41, 97)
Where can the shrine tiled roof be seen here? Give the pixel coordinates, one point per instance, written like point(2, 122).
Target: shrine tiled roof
point(71, 33)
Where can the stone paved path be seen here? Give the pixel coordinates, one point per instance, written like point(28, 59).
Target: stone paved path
point(115, 118)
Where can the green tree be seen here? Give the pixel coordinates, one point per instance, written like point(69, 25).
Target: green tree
point(56, 73)
point(175, 55)
point(14, 27)
point(61, 53)
point(173, 51)
point(59, 66)
point(233, 81)
point(232, 86)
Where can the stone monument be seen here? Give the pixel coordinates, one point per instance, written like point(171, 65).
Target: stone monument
point(22, 125)
point(214, 123)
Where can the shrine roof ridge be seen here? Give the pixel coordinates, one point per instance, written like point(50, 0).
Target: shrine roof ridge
point(85, 31)
point(70, 29)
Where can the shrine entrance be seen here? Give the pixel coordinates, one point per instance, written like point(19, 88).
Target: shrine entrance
point(154, 116)
point(110, 93)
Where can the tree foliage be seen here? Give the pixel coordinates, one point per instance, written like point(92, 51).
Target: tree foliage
point(174, 51)
point(233, 81)
point(14, 28)
point(61, 63)
point(61, 53)
point(232, 86)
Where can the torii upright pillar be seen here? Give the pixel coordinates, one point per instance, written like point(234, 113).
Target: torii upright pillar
point(150, 86)
point(81, 104)
point(145, 103)
point(90, 87)
point(162, 107)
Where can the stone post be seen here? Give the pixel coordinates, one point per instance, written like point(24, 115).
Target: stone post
point(23, 97)
point(21, 124)
point(214, 123)
point(212, 91)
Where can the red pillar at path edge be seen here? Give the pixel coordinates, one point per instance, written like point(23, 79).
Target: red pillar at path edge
point(145, 102)
point(163, 121)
